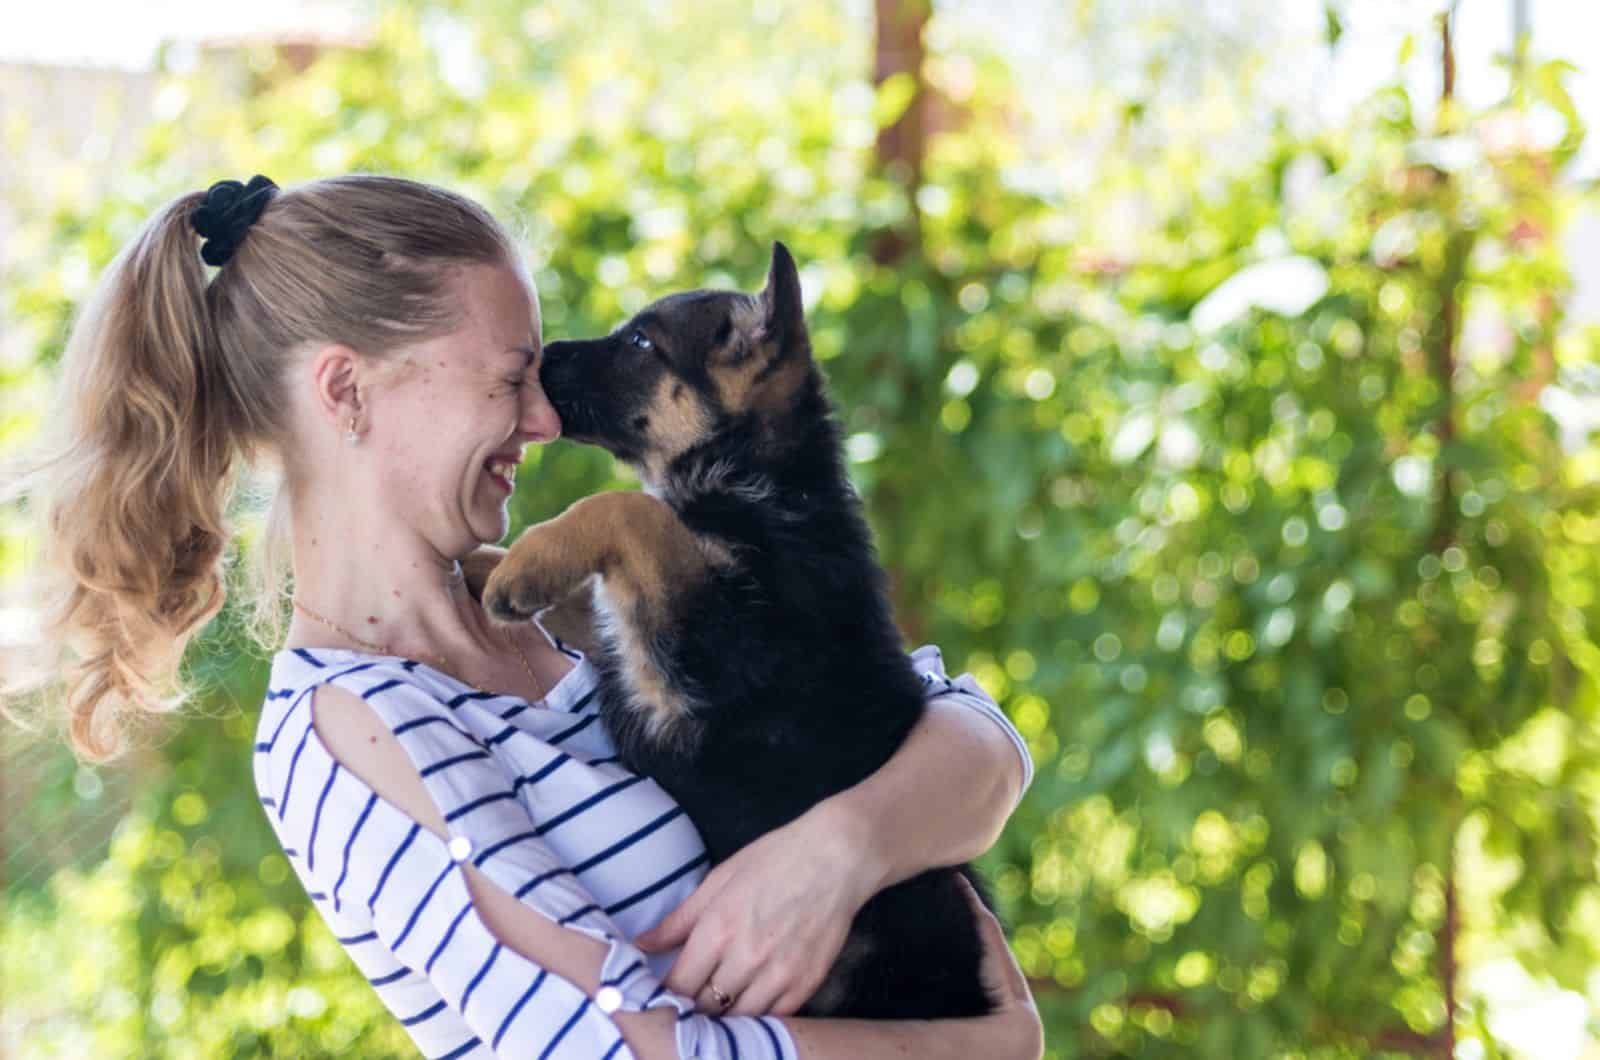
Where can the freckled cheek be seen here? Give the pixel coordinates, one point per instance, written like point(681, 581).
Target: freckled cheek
point(421, 449)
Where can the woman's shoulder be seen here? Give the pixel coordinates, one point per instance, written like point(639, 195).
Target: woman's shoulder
point(295, 671)
point(396, 688)
point(438, 717)
point(393, 730)
point(448, 728)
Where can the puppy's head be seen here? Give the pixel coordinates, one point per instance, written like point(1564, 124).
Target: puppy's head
point(683, 369)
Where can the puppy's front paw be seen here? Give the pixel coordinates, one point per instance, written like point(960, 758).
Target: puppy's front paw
point(533, 575)
point(512, 597)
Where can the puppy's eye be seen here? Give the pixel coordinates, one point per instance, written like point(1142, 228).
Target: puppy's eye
point(640, 340)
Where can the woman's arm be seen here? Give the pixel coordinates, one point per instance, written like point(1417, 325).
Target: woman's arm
point(558, 958)
point(940, 800)
point(507, 936)
point(1012, 1032)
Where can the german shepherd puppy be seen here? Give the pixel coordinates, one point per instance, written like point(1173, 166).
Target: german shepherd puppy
point(749, 661)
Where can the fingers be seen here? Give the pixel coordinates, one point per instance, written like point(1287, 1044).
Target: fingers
point(999, 963)
point(732, 974)
point(754, 984)
point(713, 1000)
point(674, 930)
point(679, 924)
point(789, 1002)
point(759, 987)
point(757, 933)
point(759, 998)
point(692, 970)
point(713, 1003)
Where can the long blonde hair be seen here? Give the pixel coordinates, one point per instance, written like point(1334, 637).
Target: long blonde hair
point(172, 381)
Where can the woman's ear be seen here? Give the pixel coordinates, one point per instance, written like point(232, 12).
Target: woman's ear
point(336, 372)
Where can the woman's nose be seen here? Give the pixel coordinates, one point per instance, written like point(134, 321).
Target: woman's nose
point(539, 420)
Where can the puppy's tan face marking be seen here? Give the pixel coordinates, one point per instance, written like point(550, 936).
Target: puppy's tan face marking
point(735, 363)
point(774, 390)
point(746, 368)
point(675, 420)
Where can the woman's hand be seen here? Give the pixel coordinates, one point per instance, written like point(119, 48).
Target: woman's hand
point(1016, 1030)
point(765, 926)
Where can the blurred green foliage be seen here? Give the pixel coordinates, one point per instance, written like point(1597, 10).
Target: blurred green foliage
point(1295, 609)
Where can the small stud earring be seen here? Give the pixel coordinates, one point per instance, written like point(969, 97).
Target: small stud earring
point(350, 434)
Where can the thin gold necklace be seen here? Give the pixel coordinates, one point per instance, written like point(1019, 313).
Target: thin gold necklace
point(439, 662)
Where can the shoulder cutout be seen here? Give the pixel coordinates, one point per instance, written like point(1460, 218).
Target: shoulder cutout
point(361, 742)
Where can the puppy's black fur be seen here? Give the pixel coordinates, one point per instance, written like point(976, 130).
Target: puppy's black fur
point(760, 670)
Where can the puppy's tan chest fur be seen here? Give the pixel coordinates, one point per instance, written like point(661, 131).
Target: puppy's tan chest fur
point(666, 714)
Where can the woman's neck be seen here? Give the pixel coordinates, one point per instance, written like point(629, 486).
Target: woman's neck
point(388, 589)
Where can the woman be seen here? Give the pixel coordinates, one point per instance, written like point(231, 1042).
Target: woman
point(437, 781)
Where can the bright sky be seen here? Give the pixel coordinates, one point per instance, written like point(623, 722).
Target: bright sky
point(121, 34)
point(117, 33)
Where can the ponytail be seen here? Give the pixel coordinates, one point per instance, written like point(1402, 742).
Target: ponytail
point(169, 383)
point(132, 488)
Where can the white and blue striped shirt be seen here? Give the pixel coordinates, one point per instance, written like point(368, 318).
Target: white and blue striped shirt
point(534, 794)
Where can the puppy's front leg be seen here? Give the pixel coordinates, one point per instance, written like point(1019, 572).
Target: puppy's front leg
point(633, 540)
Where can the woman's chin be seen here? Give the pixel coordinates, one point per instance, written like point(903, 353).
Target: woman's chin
point(496, 530)
point(489, 519)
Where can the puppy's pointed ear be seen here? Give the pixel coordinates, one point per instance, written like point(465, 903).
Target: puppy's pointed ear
point(783, 322)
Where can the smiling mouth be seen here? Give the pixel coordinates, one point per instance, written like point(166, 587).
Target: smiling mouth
point(503, 473)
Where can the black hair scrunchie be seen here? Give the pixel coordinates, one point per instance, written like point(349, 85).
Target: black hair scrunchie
point(227, 213)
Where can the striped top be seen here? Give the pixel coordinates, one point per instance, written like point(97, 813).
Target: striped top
point(534, 795)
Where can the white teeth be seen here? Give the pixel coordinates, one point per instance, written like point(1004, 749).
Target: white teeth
point(504, 469)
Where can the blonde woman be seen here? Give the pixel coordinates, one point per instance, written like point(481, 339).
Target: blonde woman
point(437, 780)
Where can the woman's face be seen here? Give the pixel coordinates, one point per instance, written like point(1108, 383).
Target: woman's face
point(449, 431)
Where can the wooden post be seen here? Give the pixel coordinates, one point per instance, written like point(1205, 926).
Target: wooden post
point(902, 145)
